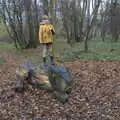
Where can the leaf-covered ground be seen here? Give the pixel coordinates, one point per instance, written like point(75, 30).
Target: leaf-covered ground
point(95, 94)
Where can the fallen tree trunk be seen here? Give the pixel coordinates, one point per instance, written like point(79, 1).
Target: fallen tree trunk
point(56, 79)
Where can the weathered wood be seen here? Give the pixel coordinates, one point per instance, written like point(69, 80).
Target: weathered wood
point(19, 85)
point(39, 80)
point(43, 79)
point(61, 96)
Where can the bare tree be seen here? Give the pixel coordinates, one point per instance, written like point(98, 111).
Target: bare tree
point(111, 20)
point(45, 7)
point(78, 20)
point(23, 29)
point(92, 21)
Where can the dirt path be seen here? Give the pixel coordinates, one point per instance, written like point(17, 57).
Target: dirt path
point(95, 94)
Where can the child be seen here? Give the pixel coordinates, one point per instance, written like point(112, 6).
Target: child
point(46, 33)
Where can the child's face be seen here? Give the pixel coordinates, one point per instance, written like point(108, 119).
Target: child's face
point(47, 21)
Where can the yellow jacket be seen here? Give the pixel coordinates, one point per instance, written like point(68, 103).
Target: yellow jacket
point(45, 33)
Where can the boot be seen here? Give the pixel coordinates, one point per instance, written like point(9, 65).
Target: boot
point(44, 60)
point(52, 61)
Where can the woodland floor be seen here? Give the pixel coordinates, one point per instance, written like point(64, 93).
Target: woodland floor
point(95, 94)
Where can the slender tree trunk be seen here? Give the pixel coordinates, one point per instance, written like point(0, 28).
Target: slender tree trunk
point(45, 7)
point(90, 25)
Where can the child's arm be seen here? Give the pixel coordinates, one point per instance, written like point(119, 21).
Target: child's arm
point(52, 30)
